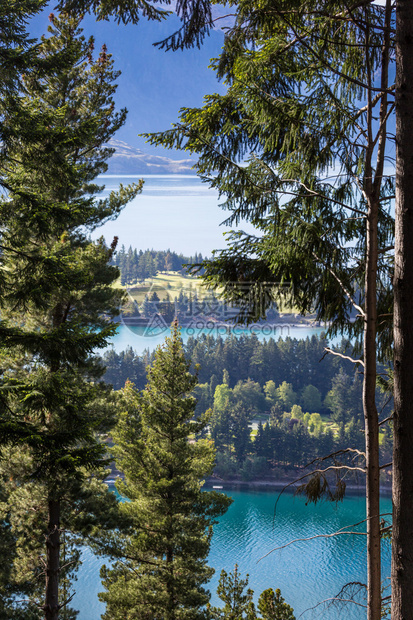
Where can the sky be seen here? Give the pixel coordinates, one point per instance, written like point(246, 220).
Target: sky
point(154, 84)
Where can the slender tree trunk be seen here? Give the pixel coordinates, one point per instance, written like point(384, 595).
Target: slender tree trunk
point(51, 603)
point(170, 585)
point(371, 423)
point(402, 552)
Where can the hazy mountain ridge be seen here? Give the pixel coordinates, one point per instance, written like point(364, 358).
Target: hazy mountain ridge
point(130, 160)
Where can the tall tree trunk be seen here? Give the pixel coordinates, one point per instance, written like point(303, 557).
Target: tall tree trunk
point(402, 552)
point(51, 603)
point(371, 423)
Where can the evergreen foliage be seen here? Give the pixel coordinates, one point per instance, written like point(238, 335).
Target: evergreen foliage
point(295, 435)
point(239, 604)
point(290, 440)
point(162, 569)
point(272, 606)
point(344, 398)
point(272, 121)
point(268, 363)
point(194, 15)
point(56, 307)
point(17, 52)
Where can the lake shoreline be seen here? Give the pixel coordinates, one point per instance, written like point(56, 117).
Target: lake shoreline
point(279, 485)
point(289, 485)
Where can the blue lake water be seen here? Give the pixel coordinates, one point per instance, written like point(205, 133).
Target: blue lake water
point(307, 572)
point(139, 338)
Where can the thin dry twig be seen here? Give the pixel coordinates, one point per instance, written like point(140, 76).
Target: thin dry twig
point(291, 542)
point(344, 357)
point(333, 599)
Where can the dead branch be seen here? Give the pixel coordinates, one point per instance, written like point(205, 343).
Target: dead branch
point(386, 465)
point(320, 459)
point(356, 306)
point(386, 420)
point(333, 599)
point(66, 602)
point(344, 357)
point(317, 471)
point(67, 564)
point(291, 542)
point(350, 589)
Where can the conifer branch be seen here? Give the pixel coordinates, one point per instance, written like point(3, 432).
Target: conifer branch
point(333, 599)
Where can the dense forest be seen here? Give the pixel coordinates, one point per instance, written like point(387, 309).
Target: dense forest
point(306, 405)
point(137, 265)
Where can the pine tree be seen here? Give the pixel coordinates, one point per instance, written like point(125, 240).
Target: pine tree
point(272, 606)
point(18, 58)
point(241, 432)
point(58, 295)
point(162, 569)
point(17, 52)
point(238, 604)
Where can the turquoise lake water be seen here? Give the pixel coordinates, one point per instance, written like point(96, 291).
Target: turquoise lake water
point(306, 572)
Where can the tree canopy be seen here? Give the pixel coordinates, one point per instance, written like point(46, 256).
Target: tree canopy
point(56, 304)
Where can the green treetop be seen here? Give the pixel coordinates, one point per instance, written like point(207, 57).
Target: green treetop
point(162, 570)
point(239, 604)
point(272, 606)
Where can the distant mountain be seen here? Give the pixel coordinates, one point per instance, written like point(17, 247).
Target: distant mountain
point(129, 160)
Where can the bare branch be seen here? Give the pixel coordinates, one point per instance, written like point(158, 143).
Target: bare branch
point(386, 465)
point(67, 564)
point(333, 599)
point(386, 420)
point(319, 459)
point(66, 601)
point(291, 542)
point(347, 293)
point(317, 471)
point(344, 357)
